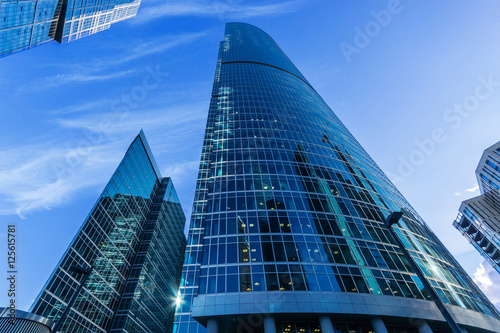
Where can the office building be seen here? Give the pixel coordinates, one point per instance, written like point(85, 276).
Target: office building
point(287, 231)
point(132, 242)
point(26, 24)
point(479, 217)
point(17, 321)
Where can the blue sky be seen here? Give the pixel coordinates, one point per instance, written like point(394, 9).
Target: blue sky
point(416, 82)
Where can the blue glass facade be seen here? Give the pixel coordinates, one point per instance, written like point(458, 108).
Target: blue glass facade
point(288, 215)
point(133, 240)
point(25, 322)
point(26, 24)
point(84, 18)
point(479, 217)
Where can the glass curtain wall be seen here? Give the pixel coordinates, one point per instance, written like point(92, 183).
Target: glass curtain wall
point(287, 200)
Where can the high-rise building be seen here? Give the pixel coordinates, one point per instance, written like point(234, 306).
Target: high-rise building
point(479, 217)
point(26, 24)
point(133, 244)
point(287, 230)
point(17, 321)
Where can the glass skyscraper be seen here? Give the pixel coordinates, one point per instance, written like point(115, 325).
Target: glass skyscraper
point(26, 24)
point(479, 217)
point(134, 244)
point(287, 230)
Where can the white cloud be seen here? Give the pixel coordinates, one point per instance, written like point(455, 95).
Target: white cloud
point(489, 281)
point(176, 126)
point(89, 106)
point(97, 71)
point(136, 49)
point(78, 77)
point(228, 9)
point(179, 172)
point(154, 46)
point(42, 176)
point(114, 122)
point(475, 188)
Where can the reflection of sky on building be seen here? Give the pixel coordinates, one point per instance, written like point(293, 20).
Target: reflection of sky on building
point(132, 239)
point(84, 18)
point(26, 24)
point(479, 218)
point(287, 199)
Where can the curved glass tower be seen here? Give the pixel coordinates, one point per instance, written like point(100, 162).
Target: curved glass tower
point(287, 231)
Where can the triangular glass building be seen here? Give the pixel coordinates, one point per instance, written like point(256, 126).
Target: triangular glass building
point(287, 231)
point(133, 244)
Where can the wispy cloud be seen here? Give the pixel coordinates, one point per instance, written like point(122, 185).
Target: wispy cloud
point(62, 79)
point(182, 173)
point(227, 9)
point(179, 172)
point(102, 68)
point(50, 173)
point(165, 118)
point(152, 46)
point(78, 75)
point(42, 176)
point(489, 282)
point(88, 106)
point(473, 189)
point(31, 178)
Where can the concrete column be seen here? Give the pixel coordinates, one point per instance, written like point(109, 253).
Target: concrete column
point(269, 325)
point(378, 325)
point(212, 326)
point(423, 327)
point(326, 324)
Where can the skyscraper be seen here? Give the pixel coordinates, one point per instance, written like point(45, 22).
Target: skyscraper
point(479, 217)
point(24, 322)
point(287, 230)
point(26, 24)
point(133, 242)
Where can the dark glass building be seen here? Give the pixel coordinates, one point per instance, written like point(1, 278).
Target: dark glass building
point(133, 241)
point(26, 24)
point(24, 322)
point(479, 217)
point(287, 230)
